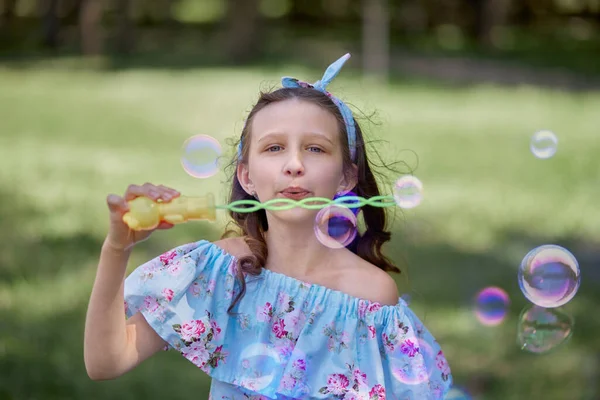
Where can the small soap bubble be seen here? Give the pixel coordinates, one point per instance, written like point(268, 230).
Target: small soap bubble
point(549, 276)
point(412, 359)
point(543, 329)
point(543, 144)
point(335, 226)
point(491, 306)
point(348, 198)
point(259, 365)
point(408, 191)
point(200, 156)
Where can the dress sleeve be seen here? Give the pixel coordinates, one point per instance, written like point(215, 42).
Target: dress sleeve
point(414, 365)
point(182, 293)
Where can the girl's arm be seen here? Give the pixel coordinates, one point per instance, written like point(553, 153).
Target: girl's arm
point(112, 344)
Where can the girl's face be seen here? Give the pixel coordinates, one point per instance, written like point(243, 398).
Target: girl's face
point(294, 143)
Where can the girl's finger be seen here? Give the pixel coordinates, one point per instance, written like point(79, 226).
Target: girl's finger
point(116, 203)
point(165, 225)
point(134, 191)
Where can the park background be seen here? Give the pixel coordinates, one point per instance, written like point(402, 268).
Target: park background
point(98, 94)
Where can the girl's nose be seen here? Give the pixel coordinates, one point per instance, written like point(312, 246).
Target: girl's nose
point(294, 166)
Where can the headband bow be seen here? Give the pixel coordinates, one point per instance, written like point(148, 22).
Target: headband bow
point(321, 85)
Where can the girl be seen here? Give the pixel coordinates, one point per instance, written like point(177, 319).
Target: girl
point(272, 314)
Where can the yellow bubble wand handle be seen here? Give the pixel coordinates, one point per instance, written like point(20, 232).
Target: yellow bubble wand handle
point(146, 214)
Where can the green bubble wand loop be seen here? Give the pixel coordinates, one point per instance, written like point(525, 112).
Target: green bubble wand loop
point(146, 214)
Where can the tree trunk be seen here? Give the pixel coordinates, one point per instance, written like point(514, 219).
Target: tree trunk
point(90, 25)
point(490, 14)
point(240, 35)
point(375, 38)
point(7, 14)
point(125, 33)
point(50, 24)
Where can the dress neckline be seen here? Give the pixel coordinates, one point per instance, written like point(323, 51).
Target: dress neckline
point(342, 296)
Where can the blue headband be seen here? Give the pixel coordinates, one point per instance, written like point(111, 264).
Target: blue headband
point(330, 73)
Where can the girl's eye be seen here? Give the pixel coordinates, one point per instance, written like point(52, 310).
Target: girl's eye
point(318, 148)
point(273, 147)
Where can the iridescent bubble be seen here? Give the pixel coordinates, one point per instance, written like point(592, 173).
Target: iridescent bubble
point(260, 364)
point(543, 329)
point(412, 360)
point(491, 305)
point(200, 156)
point(348, 199)
point(335, 226)
point(549, 276)
point(408, 191)
point(543, 144)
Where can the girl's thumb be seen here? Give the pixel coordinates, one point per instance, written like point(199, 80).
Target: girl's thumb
point(116, 203)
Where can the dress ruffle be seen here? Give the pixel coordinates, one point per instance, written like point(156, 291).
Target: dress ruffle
point(286, 338)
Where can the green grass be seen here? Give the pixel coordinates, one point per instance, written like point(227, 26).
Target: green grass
point(71, 136)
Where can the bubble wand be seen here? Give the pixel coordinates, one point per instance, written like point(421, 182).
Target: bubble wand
point(146, 214)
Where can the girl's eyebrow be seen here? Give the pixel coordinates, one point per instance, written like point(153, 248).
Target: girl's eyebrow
point(310, 134)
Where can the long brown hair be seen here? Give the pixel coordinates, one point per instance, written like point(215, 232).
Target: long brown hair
point(253, 225)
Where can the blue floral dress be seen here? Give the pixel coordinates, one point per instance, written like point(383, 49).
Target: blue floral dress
point(287, 339)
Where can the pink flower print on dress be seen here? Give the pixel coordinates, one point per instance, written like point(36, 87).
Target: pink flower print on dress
point(279, 329)
point(150, 304)
point(174, 269)
point(377, 392)
point(167, 257)
point(359, 377)
point(294, 322)
point(196, 353)
point(265, 313)
point(195, 289)
point(442, 365)
point(283, 300)
point(216, 329)
point(389, 345)
point(168, 294)
point(374, 307)
point(211, 285)
point(299, 364)
point(409, 348)
point(288, 383)
point(363, 306)
point(337, 384)
point(371, 331)
point(192, 330)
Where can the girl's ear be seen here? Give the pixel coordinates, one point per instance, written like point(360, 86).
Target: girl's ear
point(243, 177)
point(349, 180)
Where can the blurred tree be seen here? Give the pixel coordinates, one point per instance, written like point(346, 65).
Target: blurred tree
point(7, 15)
point(239, 35)
point(125, 28)
point(50, 23)
point(489, 15)
point(375, 38)
point(90, 18)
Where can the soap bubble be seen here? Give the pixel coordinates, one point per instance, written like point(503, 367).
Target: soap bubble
point(491, 305)
point(200, 156)
point(549, 276)
point(260, 364)
point(335, 226)
point(543, 329)
point(543, 144)
point(408, 191)
point(412, 360)
point(348, 200)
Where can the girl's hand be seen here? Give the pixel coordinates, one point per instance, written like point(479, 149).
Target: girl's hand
point(120, 236)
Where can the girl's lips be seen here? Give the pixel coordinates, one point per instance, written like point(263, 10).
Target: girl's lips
point(295, 196)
